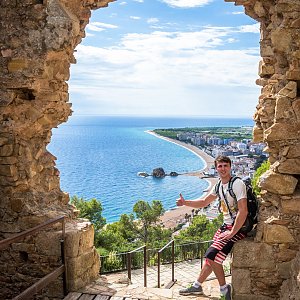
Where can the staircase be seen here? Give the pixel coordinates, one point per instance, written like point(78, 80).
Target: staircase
point(103, 289)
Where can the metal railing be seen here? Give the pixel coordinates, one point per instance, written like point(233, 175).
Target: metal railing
point(172, 282)
point(116, 262)
point(129, 255)
point(46, 280)
point(169, 254)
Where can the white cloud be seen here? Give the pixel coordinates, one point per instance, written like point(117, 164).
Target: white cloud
point(140, 1)
point(250, 28)
point(123, 3)
point(147, 72)
point(135, 17)
point(186, 3)
point(238, 13)
point(98, 26)
point(152, 20)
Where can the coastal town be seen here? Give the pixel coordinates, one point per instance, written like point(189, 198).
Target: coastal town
point(208, 143)
point(235, 142)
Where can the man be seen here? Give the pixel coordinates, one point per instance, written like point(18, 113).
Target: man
point(227, 234)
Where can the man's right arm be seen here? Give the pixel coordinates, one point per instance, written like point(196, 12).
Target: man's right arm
point(197, 203)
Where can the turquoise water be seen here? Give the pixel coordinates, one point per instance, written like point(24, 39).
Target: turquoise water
point(99, 157)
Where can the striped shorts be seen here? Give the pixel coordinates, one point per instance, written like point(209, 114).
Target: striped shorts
point(218, 251)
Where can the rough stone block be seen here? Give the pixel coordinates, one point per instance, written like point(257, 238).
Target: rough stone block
point(6, 150)
point(277, 183)
point(296, 108)
point(16, 204)
point(48, 243)
point(285, 254)
point(8, 160)
point(17, 65)
point(265, 69)
point(294, 151)
point(251, 297)
point(282, 131)
point(284, 270)
point(78, 266)
point(281, 39)
point(290, 90)
point(8, 170)
point(293, 75)
point(79, 239)
point(291, 205)
point(283, 108)
point(241, 281)
point(277, 234)
point(245, 255)
point(290, 166)
point(258, 134)
point(3, 141)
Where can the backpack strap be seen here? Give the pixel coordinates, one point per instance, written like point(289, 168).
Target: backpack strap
point(217, 188)
point(230, 188)
point(227, 204)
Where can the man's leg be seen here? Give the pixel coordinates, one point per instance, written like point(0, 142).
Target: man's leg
point(196, 288)
point(205, 271)
point(218, 270)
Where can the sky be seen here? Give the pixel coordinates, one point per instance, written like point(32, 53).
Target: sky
point(167, 58)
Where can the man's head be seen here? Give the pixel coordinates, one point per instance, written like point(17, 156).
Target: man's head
point(223, 167)
point(222, 159)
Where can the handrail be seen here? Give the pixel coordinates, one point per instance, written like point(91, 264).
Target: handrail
point(19, 236)
point(172, 282)
point(145, 263)
point(36, 287)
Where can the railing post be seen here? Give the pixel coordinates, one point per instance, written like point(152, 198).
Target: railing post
point(173, 260)
point(158, 269)
point(201, 258)
point(62, 249)
point(129, 265)
point(63, 256)
point(145, 266)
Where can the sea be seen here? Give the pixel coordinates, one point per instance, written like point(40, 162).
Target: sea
point(100, 157)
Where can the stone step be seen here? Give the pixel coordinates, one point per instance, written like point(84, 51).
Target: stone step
point(102, 289)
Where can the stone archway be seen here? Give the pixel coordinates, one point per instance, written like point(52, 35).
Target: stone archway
point(269, 266)
point(38, 38)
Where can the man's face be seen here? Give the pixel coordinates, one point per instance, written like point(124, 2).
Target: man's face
point(223, 169)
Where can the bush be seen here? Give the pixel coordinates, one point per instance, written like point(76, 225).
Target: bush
point(265, 166)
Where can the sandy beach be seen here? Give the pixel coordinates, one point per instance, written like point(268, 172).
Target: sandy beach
point(172, 217)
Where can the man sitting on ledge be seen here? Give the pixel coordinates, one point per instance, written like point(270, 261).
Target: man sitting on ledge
point(227, 234)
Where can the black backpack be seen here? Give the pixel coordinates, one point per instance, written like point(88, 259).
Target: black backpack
point(252, 202)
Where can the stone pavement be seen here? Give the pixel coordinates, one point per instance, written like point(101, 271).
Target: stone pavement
point(117, 284)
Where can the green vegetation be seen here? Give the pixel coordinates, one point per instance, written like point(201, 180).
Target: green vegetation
point(140, 227)
point(135, 229)
point(200, 229)
point(91, 210)
point(235, 133)
point(265, 166)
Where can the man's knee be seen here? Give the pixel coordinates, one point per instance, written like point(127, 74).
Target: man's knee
point(208, 261)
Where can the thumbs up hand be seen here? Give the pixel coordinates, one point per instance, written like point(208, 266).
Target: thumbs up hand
point(180, 201)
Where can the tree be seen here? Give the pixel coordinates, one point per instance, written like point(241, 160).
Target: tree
point(91, 210)
point(200, 229)
point(135, 229)
point(147, 215)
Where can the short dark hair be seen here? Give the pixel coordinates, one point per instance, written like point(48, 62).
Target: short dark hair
point(222, 158)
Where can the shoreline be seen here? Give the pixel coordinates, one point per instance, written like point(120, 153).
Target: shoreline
point(172, 217)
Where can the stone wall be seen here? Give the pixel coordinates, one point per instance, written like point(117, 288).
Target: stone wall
point(268, 267)
point(37, 41)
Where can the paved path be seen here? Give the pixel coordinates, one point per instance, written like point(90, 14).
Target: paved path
point(117, 283)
